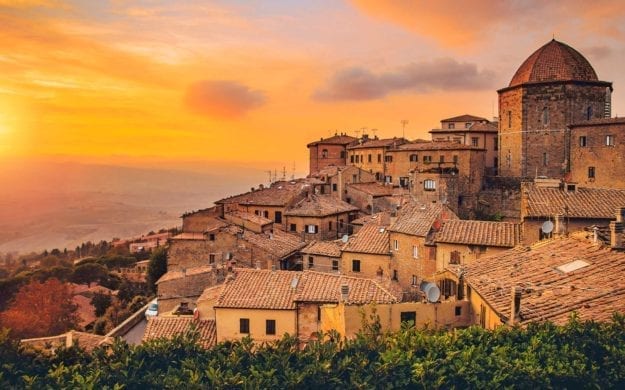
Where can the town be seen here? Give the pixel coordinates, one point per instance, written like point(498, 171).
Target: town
point(492, 221)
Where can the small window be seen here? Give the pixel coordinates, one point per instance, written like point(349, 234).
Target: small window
point(211, 237)
point(427, 159)
point(591, 172)
point(509, 119)
point(341, 224)
point(545, 116)
point(454, 257)
point(270, 327)
point(545, 159)
point(409, 317)
point(311, 262)
point(324, 153)
point(475, 141)
point(609, 140)
point(244, 325)
point(369, 158)
point(335, 265)
point(330, 225)
point(334, 187)
point(396, 245)
point(455, 159)
point(351, 158)
point(342, 154)
point(354, 178)
point(588, 113)
point(582, 141)
point(318, 313)
point(495, 143)
point(379, 158)
point(266, 214)
point(278, 214)
point(414, 280)
point(356, 265)
point(395, 277)
point(414, 158)
point(388, 158)
point(388, 179)
point(441, 159)
point(458, 311)
point(451, 125)
point(415, 251)
point(211, 258)
point(312, 229)
point(429, 185)
point(293, 227)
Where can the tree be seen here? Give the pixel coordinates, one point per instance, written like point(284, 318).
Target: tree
point(157, 267)
point(89, 272)
point(101, 302)
point(40, 309)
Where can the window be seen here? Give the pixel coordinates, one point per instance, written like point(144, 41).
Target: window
point(609, 140)
point(266, 214)
point(342, 154)
point(324, 153)
point(270, 327)
point(396, 245)
point(588, 113)
point(293, 227)
point(451, 125)
point(318, 313)
point(429, 185)
point(312, 229)
point(591, 172)
point(415, 251)
point(427, 159)
point(335, 265)
point(356, 265)
point(495, 143)
point(388, 179)
point(409, 317)
point(278, 214)
point(395, 274)
point(211, 237)
point(211, 258)
point(468, 125)
point(334, 187)
point(388, 158)
point(475, 141)
point(414, 280)
point(351, 159)
point(441, 159)
point(414, 158)
point(454, 257)
point(509, 119)
point(341, 224)
point(354, 178)
point(357, 157)
point(582, 141)
point(545, 159)
point(458, 311)
point(379, 158)
point(545, 116)
point(404, 181)
point(369, 158)
point(455, 159)
point(244, 325)
point(330, 225)
point(311, 262)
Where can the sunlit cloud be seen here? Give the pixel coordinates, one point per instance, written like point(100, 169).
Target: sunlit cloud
point(222, 98)
point(437, 75)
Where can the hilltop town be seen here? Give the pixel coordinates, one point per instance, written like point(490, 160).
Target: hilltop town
point(500, 221)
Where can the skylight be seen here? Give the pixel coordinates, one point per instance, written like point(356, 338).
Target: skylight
point(572, 266)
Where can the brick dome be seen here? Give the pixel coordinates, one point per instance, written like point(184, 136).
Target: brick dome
point(555, 61)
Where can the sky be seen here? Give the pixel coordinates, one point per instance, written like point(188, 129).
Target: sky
point(174, 82)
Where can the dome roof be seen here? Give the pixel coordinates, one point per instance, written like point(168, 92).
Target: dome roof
point(555, 61)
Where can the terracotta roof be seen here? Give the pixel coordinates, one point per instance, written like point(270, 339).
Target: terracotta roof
point(438, 145)
point(324, 248)
point(384, 216)
point(490, 127)
point(279, 243)
point(464, 118)
point(210, 293)
point(86, 341)
point(599, 122)
point(371, 238)
point(168, 327)
point(554, 61)
point(279, 194)
point(337, 139)
point(319, 206)
point(378, 143)
point(280, 290)
point(582, 203)
point(501, 234)
point(375, 189)
point(257, 219)
point(595, 291)
point(418, 219)
point(176, 274)
point(189, 236)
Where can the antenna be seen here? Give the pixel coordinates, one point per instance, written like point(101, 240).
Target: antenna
point(374, 131)
point(283, 173)
point(357, 133)
point(404, 122)
point(269, 171)
point(293, 175)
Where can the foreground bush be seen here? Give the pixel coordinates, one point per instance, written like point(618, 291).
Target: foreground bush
point(577, 355)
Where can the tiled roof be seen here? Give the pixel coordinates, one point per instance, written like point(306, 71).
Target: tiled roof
point(384, 216)
point(502, 234)
point(371, 238)
point(582, 203)
point(279, 243)
point(375, 189)
point(278, 194)
point(168, 327)
point(210, 293)
point(594, 291)
point(554, 61)
point(319, 206)
point(418, 219)
point(189, 236)
point(599, 122)
point(324, 248)
point(378, 143)
point(257, 219)
point(337, 139)
point(490, 127)
point(464, 118)
point(174, 275)
point(437, 145)
point(280, 290)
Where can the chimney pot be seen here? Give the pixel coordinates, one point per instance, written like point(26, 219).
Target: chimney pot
point(616, 234)
point(515, 305)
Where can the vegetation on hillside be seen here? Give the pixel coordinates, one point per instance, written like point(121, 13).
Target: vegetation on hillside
point(577, 355)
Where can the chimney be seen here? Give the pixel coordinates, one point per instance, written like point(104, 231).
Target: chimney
point(515, 305)
point(620, 214)
point(261, 187)
point(616, 234)
point(257, 264)
point(379, 273)
point(557, 224)
point(273, 268)
point(344, 292)
point(595, 235)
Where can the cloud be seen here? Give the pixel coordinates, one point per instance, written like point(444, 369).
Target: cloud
point(443, 74)
point(222, 98)
point(597, 52)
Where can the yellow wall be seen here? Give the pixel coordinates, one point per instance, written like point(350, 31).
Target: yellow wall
point(227, 321)
point(369, 264)
point(468, 253)
point(486, 317)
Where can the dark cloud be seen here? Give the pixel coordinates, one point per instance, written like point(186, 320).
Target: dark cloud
point(222, 98)
point(438, 75)
point(597, 52)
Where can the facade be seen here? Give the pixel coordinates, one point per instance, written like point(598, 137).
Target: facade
point(330, 151)
point(370, 197)
point(370, 155)
point(554, 87)
point(367, 253)
point(335, 179)
point(598, 153)
point(319, 217)
point(322, 256)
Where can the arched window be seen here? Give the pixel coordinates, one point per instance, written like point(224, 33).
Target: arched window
point(588, 113)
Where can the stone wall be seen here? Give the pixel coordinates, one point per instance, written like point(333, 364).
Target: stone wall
point(323, 155)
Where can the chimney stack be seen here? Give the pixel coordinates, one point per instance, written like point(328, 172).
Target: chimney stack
point(344, 292)
point(595, 235)
point(557, 224)
point(515, 306)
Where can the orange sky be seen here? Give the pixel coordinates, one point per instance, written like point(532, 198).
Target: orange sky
point(147, 82)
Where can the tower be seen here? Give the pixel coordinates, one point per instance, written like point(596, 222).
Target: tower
point(554, 87)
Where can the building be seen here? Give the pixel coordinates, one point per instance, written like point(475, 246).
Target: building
point(322, 256)
point(598, 153)
point(370, 154)
point(554, 87)
point(335, 179)
point(370, 197)
point(329, 151)
point(186, 285)
point(166, 328)
point(367, 253)
point(465, 241)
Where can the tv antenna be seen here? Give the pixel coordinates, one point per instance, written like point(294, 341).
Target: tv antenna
point(373, 131)
point(404, 122)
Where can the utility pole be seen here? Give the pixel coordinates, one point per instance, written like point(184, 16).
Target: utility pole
point(404, 122)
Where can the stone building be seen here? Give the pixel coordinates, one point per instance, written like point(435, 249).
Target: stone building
point(335, 179)
point(370, 154)
point(367, 254)
point(598, 153)
point(370, 197)
point(322, 256)
point(329, 151)
point(554, 87)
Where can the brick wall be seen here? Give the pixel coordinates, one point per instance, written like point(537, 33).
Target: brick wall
point(332, 156)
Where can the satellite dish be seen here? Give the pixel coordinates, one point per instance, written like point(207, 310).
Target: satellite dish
point(344, 238)
point(431, 290)
point(547, 227)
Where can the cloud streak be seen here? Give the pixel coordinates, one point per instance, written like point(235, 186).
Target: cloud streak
point(443, 74)
point(222, 98)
